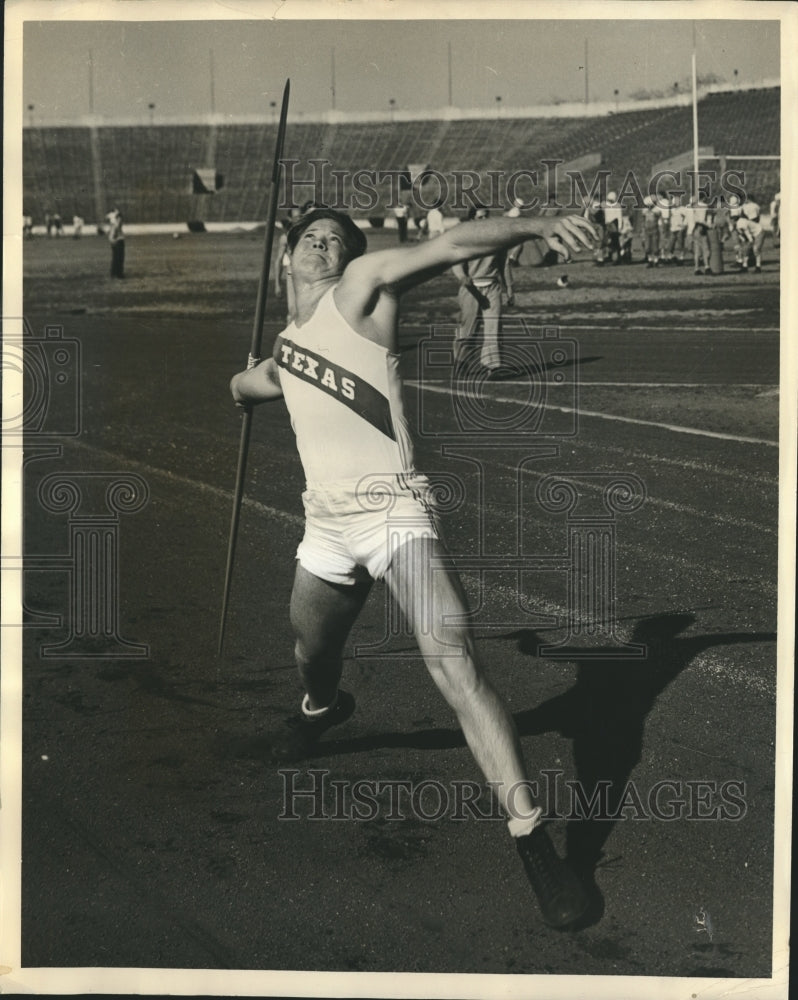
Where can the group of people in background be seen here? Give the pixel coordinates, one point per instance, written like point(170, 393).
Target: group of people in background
point(53, 225)
point(54, 228)
point(670, 230)
point(427, 225)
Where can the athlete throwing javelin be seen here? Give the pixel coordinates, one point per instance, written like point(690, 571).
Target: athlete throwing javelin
point(336, 366)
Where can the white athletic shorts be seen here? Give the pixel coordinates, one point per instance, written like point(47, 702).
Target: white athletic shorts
point(353, 528)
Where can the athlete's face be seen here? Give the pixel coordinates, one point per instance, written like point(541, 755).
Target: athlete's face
point(321, 249)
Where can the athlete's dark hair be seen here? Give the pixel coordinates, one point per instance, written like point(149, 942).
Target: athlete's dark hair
point(354, 239)
point(477, 206)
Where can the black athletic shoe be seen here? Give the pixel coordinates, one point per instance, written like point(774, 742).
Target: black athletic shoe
point(298, 736)
point(560, 894)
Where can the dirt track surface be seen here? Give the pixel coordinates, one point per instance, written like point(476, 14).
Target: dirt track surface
point(152, 834)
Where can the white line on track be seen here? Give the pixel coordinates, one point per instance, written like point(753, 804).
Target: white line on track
point(606, 328)
point(669, 329)
point(683, 463)
point(196, 484)
point(583, 383)
point(674, 428)
point(753, 684)
point(679, 508)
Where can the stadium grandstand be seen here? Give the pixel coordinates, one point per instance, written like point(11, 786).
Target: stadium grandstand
point(215, 172)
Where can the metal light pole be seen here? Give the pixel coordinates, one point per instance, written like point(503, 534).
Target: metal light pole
point(213, 81)
point(695, 114)
point(587, 92)
point(450, 72)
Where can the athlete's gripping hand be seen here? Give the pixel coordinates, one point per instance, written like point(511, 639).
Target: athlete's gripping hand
point(572, 231)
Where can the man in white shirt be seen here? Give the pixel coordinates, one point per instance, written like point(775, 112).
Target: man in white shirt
point(752, 236)
point(698, 230)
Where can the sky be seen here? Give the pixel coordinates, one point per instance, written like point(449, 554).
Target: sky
point(117, 68)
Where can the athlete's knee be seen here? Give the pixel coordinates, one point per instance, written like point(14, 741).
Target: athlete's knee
point(458, 676)
point(310, 655)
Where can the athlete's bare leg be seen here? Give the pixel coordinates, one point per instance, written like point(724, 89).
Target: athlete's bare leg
point(322, 615)
point(427, 595)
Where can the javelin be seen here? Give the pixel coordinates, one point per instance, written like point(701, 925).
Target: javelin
point(254, 358)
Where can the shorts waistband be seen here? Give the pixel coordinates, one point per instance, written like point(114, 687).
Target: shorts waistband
point(411, 477)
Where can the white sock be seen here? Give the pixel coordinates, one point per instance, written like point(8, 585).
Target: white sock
point(519, 827)
point(315, 713)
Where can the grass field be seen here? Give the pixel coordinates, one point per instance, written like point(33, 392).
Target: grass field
point(151, 832)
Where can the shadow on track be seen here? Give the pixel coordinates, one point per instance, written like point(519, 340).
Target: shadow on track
point(604, 715)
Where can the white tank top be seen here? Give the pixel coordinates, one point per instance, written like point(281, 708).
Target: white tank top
point(344, 396)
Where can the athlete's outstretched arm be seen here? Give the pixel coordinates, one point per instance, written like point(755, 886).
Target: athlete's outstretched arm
point(256, 385)
point(411, 265)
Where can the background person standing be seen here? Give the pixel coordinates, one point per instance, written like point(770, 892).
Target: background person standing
point(116, 237)
point(480, 295)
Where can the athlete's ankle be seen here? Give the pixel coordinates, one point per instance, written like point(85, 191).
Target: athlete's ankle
point(315, 711)
point(522, 826)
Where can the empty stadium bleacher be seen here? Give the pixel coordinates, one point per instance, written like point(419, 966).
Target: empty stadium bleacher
point(147, 170)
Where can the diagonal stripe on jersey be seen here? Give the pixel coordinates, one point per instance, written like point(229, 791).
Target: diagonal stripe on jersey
point(360, 396)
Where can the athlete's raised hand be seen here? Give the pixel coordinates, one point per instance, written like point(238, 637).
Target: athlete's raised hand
point(572, 231)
